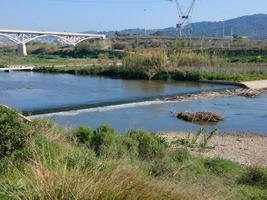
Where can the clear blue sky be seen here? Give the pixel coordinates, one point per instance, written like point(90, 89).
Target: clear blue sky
point(82, 15)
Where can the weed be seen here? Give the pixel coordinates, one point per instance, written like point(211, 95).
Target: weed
point(255, 176)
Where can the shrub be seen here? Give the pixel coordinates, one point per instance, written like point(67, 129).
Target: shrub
point(255, 176)
point(181, 155)
point(84, 135)
point(81, 159)
point(222, 167)
point(162, 167)
point(13, 132)
point(149, 64)
point(131, 146)
point(107, 142)
point(150, 146)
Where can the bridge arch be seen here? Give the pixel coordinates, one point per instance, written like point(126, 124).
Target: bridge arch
point(10, 38)
point(21, 37)
point(62, 38)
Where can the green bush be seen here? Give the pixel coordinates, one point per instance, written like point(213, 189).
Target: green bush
point(131, 146)
point(150, 146)
point(249, 193)
point(255, 176)
point(181, 155)
point(163, 167)
point(149, 64)
point(107, 142)
point(81, 159)
point(84, 135)
point(13, 132)
point(222, 167)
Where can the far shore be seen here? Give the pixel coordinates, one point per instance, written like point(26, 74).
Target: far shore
point(245, 148)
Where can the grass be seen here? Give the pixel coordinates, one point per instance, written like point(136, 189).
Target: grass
point(165, 74)
point(151, 58)
point(101, 163)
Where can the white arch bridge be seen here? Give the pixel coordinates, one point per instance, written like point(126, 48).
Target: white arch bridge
point(22, 37)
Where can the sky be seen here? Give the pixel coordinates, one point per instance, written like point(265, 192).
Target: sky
point(105, 15)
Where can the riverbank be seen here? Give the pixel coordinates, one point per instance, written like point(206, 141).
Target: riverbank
point(39, 159)
point(244, 148)
point(182, 74)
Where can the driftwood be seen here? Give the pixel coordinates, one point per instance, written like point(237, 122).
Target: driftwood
point(200, 116)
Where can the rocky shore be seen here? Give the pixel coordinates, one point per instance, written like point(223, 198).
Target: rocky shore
point(209, 95)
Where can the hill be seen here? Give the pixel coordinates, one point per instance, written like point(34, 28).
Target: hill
point(252, 27)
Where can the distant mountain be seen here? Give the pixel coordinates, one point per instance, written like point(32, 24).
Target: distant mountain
point(252, 27)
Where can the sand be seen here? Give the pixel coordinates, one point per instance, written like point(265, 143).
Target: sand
point(246, 149)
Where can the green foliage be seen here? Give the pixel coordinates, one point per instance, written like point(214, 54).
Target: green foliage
point(81, 159)
point(181, 155)
point(57, 167)
point(199, 141)
point(131, 146)
point(255, 176)
point(259, 59)
point(150, 65)
point(222, 167)
point(189, 58)
point(150, 146)
point(249, 193)
point(163, 167)
point(108, 143)
point(13, 132)
point(84, 135)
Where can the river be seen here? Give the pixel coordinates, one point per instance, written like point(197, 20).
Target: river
point(125, 104)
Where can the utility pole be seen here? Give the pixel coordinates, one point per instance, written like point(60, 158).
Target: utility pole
point(223, 31)
point(145, 22)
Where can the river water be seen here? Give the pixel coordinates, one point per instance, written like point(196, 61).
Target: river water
point(120, 103)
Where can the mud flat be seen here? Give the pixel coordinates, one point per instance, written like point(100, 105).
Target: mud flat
point(244, 148)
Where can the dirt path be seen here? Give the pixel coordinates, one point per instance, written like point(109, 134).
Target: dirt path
point(246, 149)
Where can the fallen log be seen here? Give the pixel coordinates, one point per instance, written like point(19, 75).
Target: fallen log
point(200, 117)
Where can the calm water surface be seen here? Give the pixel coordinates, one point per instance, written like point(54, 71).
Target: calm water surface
point(29, 92)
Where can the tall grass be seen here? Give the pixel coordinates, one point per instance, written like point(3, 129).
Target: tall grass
point(149, 64)
point(190, 58)
point(74, 165)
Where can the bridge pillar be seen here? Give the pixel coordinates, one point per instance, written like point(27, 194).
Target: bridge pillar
point(22, 49)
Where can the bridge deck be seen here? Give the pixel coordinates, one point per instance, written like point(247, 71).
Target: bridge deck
point(51, 33)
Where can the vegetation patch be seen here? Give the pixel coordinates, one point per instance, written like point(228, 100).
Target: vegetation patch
point(14, 132)
point(102, 163)
point(255, 176)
